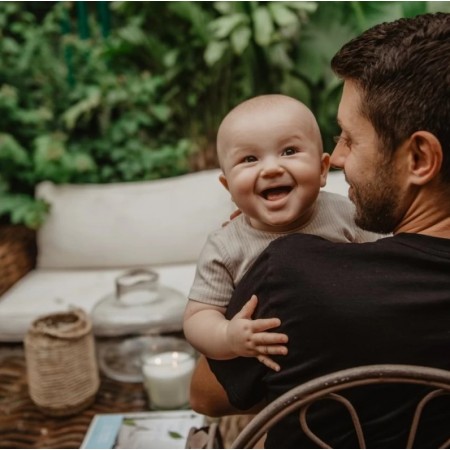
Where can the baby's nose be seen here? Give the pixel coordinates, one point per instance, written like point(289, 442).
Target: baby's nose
point(272, 169)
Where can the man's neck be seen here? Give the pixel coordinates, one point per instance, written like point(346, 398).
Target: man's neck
point(427, 216)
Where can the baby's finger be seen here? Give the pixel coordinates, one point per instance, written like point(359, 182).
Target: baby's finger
point(248, 309)
point(269, 338)
point(259, 325)
point(269, 362)
point(271, 349)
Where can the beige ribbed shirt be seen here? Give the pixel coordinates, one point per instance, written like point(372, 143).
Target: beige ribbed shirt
point(230, 251)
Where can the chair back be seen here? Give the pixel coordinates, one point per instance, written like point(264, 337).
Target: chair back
point(331, 386)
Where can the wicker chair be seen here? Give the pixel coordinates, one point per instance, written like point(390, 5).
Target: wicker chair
point(17, 254)
point(331, 386)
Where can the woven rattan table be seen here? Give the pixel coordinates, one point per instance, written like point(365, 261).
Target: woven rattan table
point(22, 425)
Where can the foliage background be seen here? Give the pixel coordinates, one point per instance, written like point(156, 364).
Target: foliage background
point(99, 92)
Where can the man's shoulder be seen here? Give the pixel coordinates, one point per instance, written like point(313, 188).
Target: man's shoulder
point(294, 249)
point(303, 244)
point(304, 240)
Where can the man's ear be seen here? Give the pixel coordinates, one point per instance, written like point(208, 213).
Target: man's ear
point(425, 157)
point(324, 168)
point(223, 181)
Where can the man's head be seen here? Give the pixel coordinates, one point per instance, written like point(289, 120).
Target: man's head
point(270, 152)
point(395, 116)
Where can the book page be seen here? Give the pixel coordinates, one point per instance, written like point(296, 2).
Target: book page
point(153, 429)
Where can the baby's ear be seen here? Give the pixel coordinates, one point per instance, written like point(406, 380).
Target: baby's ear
point(324, 168)
point(223, 181)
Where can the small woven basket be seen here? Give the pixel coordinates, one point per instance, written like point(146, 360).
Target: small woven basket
point(61, 364)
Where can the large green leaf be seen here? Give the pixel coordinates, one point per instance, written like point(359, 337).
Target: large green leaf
point(282, 15)
point(263, 25)
point(240, 39)
point(305, 7)
point(214, 52)
point(223, 26)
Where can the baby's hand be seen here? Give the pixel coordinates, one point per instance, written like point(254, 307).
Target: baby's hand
point(249, 337)
point(233, 216)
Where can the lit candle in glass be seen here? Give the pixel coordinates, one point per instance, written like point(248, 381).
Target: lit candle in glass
point(167, 377)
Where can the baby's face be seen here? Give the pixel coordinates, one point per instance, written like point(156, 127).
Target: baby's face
point(273, 164)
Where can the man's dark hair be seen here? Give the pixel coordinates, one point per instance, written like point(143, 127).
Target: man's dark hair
point(402, 70)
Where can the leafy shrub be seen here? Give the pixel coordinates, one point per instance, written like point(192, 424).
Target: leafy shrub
point(71, 113)
point(83, 100)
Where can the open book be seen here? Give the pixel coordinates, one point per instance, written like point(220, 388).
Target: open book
point(152, 429)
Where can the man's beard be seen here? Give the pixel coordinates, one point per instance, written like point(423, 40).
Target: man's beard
point(377, 202)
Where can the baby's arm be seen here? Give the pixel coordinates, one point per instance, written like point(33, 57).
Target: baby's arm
point(207, 329)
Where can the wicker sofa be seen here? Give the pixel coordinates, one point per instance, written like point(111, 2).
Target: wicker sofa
point(95, 232)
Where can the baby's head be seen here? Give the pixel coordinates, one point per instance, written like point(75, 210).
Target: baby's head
point(270, 152)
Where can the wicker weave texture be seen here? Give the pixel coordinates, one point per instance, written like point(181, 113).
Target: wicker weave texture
point(62, 368)
point(17, 254)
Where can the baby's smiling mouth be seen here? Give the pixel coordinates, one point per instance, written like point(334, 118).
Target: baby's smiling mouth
point(276, 192)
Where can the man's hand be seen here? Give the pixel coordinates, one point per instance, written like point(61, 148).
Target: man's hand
point(249, 337)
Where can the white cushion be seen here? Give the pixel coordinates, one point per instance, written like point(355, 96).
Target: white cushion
point(336, 183)
point(44, 291)
point(130, 224)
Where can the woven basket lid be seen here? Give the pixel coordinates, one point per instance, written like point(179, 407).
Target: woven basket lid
point(65, 325)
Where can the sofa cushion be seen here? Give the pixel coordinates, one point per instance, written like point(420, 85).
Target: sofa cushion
point(130, 224)
point(45, 291)
point(336, 183)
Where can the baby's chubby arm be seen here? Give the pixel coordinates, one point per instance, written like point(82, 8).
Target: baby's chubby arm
point(207, 329)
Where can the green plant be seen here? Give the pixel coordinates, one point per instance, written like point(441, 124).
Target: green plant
point(83, 101)
point(72, 114)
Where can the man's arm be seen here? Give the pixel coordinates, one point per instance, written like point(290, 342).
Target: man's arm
point(219, 387)
point(207, 394)
point(209, 397)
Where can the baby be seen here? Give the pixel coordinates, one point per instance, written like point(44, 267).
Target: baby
point(270, 152)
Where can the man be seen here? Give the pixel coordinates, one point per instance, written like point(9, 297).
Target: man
point(345, 305)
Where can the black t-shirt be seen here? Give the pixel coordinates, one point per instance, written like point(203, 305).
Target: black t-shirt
point(346, 305)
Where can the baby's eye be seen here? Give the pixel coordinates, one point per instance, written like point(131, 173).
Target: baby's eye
point(249, 159)
point(289, 151)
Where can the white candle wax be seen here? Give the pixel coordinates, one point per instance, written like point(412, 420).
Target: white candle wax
point(167, 377)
